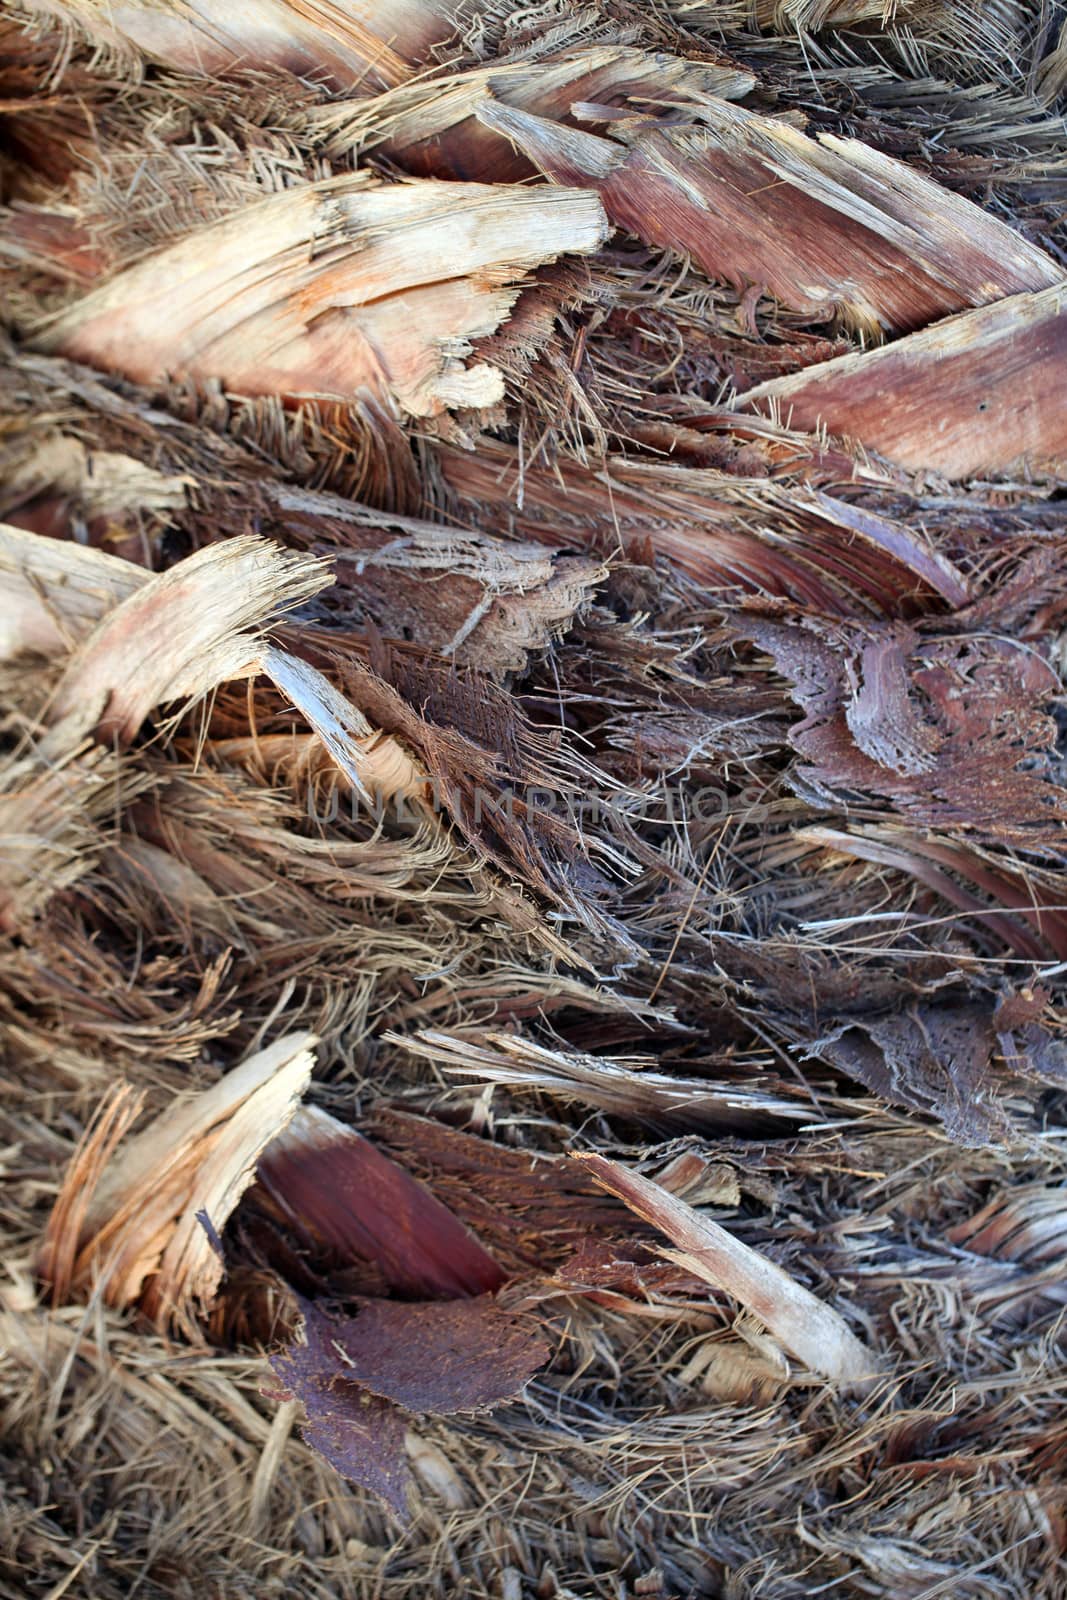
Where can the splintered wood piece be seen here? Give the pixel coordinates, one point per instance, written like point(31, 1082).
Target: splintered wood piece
point(44, 468)
point(338, 289)
point(342, 728)
point(431, 127)
point(147, 1220)
point(827, 226)
point(147, 639)
point(53, 592)
point(177, 636)
point(330, 1180)
point(621, 1088)
point(975, 394)
point(809, 1330)
point(58, 1256)
point(343, 44)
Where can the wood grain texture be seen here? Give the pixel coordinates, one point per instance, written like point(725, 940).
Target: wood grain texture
point(978, 393)
point(337, 289)
point(829, 227)
point(344, 44)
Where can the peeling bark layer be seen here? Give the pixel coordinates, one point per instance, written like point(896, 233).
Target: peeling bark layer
point(337, 289)
point(827, 226)
point(977, 394)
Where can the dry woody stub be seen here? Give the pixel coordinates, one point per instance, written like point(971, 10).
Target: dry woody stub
point(533, 785)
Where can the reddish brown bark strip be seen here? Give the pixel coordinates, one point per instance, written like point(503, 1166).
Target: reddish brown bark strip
point(978, 393)
point(827, 226)
point(329, 1179)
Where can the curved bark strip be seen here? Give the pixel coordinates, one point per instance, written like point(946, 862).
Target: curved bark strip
point(827, 226)
point(177, 636)
point(976, 394)
point(339, 289)
point(812, 1332)
point(727, 532)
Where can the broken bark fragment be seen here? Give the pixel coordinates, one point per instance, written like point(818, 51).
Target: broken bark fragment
point(935, 1060)
point(336, 290)
point(729, 533)
point(343, 44)
point(176, 636)
point(954, 730)
point(357, 1376)
point(360, 1434)
point(440, 1356)
point(144, 1223)
point(52, 593)
point(329, 1180)
point(977, 394)
point(431, 128)
point(829, 227)
point(532, 1211)
point(630, 1277)
point(47, 475)
point(483, 602)
point(809, 1330)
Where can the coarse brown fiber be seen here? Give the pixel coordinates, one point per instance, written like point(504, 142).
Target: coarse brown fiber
point(533, 799)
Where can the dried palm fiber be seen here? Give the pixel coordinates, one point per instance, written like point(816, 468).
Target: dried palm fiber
point(602, 749)
point(347, 45)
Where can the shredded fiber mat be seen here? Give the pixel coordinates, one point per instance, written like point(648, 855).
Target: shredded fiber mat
point(533, 799)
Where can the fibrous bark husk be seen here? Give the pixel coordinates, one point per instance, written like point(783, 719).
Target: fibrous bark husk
point(532, 551)
point(339, 289)
point(828, 227)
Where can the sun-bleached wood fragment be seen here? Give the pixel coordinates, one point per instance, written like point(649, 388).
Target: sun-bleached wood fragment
point(342, 289)
point(809, 1330)
point(52, 591)
point(431, 128)
point(144, 1221)
point(179, 635)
